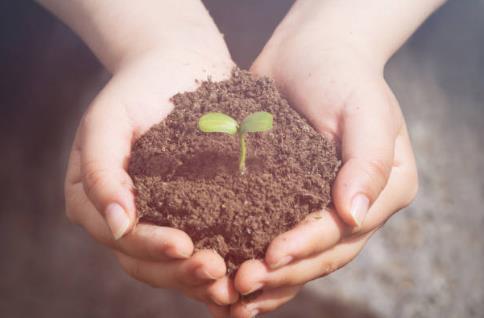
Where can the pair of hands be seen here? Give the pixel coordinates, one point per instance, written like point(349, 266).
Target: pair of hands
point(342, 92)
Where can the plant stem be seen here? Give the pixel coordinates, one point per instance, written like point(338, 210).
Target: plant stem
point(243, 153)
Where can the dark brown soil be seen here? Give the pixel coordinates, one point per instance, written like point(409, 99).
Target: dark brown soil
point(190, 180)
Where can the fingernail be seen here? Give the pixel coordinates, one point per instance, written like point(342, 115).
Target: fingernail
point(117, 220)
point(255, 288)
point(359, 208)
point(203, 273)
point(177, 253)
point(282, 262)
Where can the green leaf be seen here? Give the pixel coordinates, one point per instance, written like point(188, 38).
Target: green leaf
point(218, 122)
point(259, 121)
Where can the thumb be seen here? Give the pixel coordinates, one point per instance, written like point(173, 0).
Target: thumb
point(105, 147)
point(368, 140)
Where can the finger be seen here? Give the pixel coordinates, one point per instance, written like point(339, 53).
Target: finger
point(324, 229)
point(368, 138)
point(79, 208)
point(269, 300)
point(220, 293)
point(105, 143)
point(401, 188)
point(155, 243)
point(320, 230)
point(155, 274)
point(255, 275)
point(181, 274)
point(217, 311)
point(203, 266)
point(223, 292)
point(146, 241)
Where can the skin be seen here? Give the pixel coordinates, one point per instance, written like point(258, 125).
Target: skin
point(337, 82)
point(334, 54)
point(152, 53)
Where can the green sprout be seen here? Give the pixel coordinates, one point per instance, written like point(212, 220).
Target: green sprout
point(219, 122)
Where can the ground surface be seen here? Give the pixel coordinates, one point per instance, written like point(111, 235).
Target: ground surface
point(426, 262)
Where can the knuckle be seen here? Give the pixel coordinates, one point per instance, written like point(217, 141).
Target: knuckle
point(212, 294)
point(379, 169)
point(329, 267)
point(94, 177)
point(92, 174)
point(292, 279)
point(97, 178)
point(149, 238)
point(183, 276)
point(278, 245)
point(134, 270)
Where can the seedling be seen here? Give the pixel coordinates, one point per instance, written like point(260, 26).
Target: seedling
point(219, 122)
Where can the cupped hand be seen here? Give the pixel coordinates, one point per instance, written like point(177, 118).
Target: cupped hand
point(98, 189)
point(344, 95)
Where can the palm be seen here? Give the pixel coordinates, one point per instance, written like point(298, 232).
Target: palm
point(143, 89)
point(336, 91)
point(348, 100)
point(136, 98)
point(323, 87)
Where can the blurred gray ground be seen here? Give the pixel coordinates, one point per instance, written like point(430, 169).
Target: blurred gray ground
point(426, 262)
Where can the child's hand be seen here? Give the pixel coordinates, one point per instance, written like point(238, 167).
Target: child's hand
point(154, 49)
point(350, 102)
point(334, 77)
point(98, 188)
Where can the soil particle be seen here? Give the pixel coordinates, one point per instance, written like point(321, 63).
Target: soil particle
point(189, 180)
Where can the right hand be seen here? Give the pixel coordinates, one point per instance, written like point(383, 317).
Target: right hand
point(98, 189)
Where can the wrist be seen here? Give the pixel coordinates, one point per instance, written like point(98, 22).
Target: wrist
point(185, 44)
point(375, 28)
point(190, 35)
point(310, 27)
point(190, 63)
point(292, 47)
point(121, 31)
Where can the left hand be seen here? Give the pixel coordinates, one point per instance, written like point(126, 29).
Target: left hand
point(344, 95)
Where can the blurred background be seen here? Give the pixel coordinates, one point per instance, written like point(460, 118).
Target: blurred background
point(426, 262)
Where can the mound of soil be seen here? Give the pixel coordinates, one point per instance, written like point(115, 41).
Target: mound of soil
point(190, 180)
